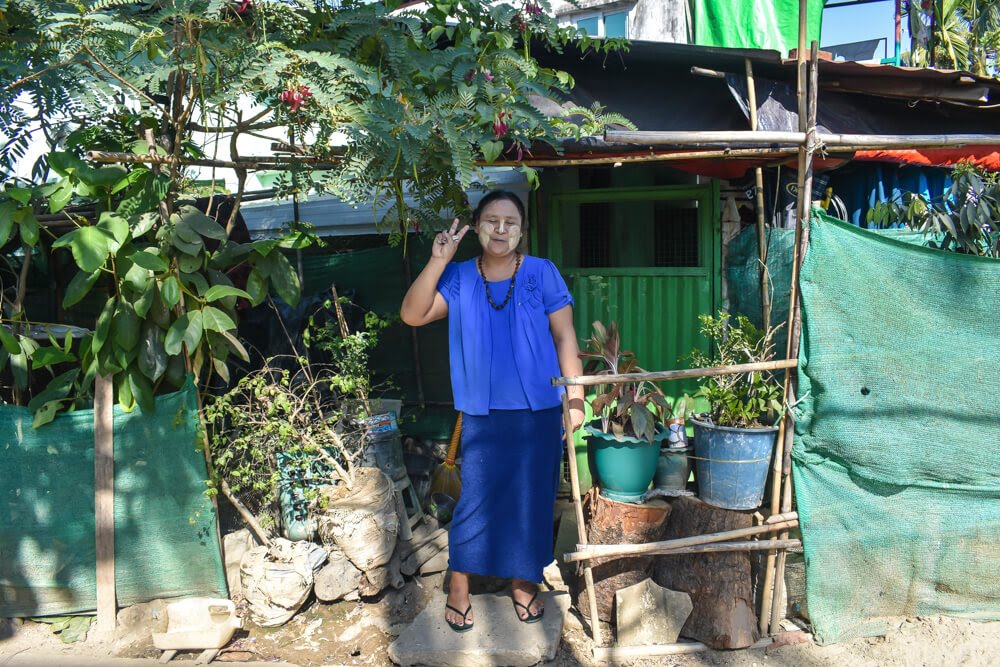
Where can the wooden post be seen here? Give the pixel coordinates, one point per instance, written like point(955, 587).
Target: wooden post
point(770, 588)
point(805, 207)
point(765, 275)
point(104, 502)
point(581, 528)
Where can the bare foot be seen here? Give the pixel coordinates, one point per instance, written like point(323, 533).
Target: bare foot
point(522, 591)
point(458, 597)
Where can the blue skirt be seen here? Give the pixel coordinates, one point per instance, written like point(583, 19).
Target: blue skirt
point(503, 523)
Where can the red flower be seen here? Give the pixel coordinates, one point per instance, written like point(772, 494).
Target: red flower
point(296, 96)
point(532, 9)
point(500, 126)
point(244, 6)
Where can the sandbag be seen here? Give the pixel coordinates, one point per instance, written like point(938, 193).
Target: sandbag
point(362, 521)
point(276, 580)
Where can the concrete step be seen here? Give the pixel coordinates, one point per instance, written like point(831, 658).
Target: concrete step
point(497, 638)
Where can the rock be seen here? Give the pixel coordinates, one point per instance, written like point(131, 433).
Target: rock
point(498, 637)
point(553, 577)
point(139, 622)
point(234, 546)
point(649, 614)
point(337, 578)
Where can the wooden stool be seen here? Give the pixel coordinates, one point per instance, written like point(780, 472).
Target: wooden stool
point(407, 522)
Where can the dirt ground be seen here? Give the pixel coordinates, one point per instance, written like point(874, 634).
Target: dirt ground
point(358, 633)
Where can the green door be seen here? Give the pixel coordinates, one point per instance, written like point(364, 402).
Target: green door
point(647, 258)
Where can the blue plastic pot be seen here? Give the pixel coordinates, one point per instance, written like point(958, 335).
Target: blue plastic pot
point(624, 467)
point(732, 463)
point(672, 469)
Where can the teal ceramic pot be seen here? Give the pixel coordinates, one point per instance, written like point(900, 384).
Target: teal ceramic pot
point(625, 467)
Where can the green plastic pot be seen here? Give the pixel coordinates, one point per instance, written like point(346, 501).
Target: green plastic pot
point(624, 466)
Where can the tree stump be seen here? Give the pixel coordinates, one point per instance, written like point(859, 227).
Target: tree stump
point(719, 583)
point(613, 522)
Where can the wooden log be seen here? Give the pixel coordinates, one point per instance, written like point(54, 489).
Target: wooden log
point(723, 615)
point(421, 535)
point(613, 522)
point(411, 564)
point(660, 376)
point(597, 550)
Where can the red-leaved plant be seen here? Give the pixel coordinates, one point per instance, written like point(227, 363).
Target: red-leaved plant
point(628, 408)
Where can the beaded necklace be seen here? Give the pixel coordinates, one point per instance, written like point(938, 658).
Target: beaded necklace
point(486, 284)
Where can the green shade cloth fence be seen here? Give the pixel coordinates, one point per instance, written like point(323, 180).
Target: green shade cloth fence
point(897, 441)
point(743, 273)
point(165, 536)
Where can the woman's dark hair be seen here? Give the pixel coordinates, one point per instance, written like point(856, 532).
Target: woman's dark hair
point(497, 195)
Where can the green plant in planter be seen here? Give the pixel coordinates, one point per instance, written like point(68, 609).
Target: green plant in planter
point(624, 445)
point(733, 442)
point(626, 409)
point(745, 400)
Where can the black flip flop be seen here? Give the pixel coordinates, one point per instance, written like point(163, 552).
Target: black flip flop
point(465, 627)
point(531, 618)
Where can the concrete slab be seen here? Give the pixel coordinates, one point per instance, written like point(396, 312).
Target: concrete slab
point(498, 638)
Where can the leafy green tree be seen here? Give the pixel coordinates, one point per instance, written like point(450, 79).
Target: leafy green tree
point(961, 34)
point(417, 98)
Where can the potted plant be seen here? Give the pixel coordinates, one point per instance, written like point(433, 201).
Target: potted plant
point(734, 441)
point(673, 466)
point(625, 436)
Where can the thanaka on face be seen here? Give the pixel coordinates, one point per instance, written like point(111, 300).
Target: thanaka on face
point(499, 228)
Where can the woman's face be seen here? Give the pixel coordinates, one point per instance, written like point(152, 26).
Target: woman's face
point(499, 228)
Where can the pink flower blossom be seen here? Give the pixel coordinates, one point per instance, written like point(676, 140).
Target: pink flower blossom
point(296, 97)
point(500, 126)
point(532, 9)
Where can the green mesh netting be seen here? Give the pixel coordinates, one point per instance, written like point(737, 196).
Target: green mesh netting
point(897, 450)
point(743, 273)
point(165, 537)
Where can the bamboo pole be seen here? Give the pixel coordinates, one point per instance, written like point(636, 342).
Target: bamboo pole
point(727, 547)
point(586, 552)
point(661, 376)
point(771, 138)
point(765, 275)
point(805, 208)
point(628, 654)
point(249, 162)
point(770, 588)
point(581, 528)
point(762, 153)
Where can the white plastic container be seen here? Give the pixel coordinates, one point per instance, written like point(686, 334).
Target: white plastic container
point(198, 623)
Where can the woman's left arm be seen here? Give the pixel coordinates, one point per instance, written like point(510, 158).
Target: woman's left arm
point(568, 350)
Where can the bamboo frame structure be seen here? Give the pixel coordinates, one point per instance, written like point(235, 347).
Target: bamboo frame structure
point(843, 142)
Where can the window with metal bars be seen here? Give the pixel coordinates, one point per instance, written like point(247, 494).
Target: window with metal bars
point(675, 237)
point(595, 235)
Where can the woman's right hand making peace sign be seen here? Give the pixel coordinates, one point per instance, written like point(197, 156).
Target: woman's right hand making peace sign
point(446, 242)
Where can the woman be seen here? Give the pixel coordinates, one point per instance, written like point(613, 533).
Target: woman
point(510, 322)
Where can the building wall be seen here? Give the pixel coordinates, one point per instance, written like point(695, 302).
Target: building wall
point(650, 20)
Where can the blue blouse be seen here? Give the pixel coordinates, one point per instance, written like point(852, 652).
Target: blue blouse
point(485, 372)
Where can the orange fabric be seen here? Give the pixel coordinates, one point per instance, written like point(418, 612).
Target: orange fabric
point(987, 157)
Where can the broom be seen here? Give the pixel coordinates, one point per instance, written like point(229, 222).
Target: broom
point(447, 479)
